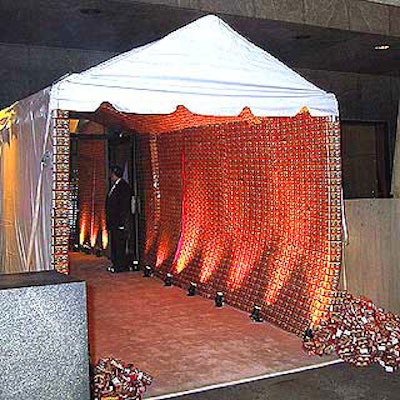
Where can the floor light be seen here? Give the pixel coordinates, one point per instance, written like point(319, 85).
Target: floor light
point(219, 299)
point(192, 289)
point(148, 271)
point(255, 314)
point(168, 279)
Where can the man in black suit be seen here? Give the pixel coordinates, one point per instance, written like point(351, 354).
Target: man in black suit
point(118, 214)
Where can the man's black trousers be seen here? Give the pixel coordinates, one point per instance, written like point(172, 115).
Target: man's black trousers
point(118, 239)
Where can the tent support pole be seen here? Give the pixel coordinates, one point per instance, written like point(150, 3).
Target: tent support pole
point(61, 191)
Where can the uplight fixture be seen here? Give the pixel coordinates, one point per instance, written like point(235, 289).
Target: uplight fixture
point(148, 271)
point(134, 266)
point(255, 314)
point(192, 289)
point(168, 279)
point(219, 299)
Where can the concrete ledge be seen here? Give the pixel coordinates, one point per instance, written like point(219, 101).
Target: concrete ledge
point(43, 338)
point(44, 278)
point(354, 15)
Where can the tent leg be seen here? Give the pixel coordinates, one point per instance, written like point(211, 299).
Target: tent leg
point(61, 191)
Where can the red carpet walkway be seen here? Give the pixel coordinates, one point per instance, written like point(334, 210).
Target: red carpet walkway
point(183, 342)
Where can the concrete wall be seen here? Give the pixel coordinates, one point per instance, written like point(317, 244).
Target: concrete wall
point(353, 15)
point(27, 69)
point(372, 258)
point(362, 97)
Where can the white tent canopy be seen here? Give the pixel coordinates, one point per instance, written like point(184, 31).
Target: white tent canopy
point(205, 66)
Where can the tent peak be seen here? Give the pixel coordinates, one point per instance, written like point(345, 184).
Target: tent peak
point(206, 66)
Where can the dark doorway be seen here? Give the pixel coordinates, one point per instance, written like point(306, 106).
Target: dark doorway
point(365, 159)
point(94, 148)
